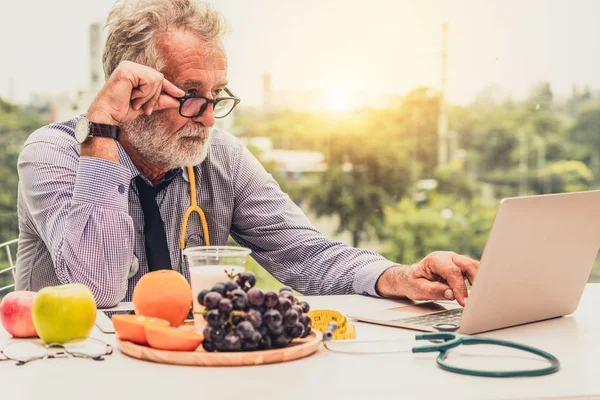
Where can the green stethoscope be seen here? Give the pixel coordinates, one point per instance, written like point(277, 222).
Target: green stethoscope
point(447, 339)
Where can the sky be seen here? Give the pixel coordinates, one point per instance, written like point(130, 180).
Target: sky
point(379, 47)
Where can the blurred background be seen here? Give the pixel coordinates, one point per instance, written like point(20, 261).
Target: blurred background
point(395, 125)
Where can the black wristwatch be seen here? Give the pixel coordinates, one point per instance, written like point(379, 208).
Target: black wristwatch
point(85, 129)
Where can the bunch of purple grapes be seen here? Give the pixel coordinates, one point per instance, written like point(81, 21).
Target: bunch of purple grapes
point(241, 317)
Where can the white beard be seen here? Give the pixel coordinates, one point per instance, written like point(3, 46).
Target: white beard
point(147, 135)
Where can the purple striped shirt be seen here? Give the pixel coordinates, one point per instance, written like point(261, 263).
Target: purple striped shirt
point(80, 220)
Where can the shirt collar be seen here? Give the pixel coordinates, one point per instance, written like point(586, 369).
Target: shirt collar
point(125, 160)
point(169, 176)
point(185, 175)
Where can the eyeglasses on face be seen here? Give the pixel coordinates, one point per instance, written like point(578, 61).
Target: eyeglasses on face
point(24, 351)
point(192, 106)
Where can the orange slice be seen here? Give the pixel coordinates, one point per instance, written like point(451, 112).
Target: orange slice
point(169, 338)
point(131, 327)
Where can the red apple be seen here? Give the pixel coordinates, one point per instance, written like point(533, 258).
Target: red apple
point(15, 312)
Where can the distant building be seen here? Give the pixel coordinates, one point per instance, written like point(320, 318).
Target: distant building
point(96, 71)
point(293, 164)
point(65, 106)
point(267, 91)
point(278, 100)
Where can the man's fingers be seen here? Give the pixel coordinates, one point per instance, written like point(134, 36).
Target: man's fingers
point(138, 103)
point(166, 101)
point(147, 91)
point(153, 93)
point(162, 102)
point(137, 94)
point(444, 267)
point(429, 290)
point(467, 265)
point(457, 283)
point(151, 104)
point(171, 89)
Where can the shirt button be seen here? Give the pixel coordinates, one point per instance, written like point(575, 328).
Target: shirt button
point(365, 293)
point(121, 189)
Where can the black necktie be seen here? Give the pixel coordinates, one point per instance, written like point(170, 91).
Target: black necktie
point(157, 250)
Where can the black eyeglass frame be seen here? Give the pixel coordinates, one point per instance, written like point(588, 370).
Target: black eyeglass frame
point(214, 102)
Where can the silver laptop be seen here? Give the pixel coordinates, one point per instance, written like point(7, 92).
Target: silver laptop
point(535, 265)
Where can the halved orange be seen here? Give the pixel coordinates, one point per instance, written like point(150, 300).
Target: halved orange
point(169, 338)
point(131, 327)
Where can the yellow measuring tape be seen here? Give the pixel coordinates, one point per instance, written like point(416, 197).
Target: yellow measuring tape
point(321, 318)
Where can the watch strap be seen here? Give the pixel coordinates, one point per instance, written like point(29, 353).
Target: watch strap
point(104, 130)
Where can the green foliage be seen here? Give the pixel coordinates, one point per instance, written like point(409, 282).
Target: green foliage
point(567, 176)
point(452, 180)
point(367, 168)
point(585, 136)
point(541, 95)
point(373, 160)
point(416, 124)
point(15, 126)
point(445, 223)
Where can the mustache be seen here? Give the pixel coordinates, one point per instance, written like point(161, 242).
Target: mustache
point(157, 125)
point(195, 132)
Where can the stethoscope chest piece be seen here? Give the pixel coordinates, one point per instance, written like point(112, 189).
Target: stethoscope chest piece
point(446, 327)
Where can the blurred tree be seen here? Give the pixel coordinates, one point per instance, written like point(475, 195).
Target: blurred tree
point(453, 180)
point(15, 126)
point(416, 124)
point(367, 169)
point(490, 97)
point(490, 137)
point(565, 176)
point(585, 135)
point(496, 138)
point(578, 99)
point(541, 96)
point(446, 223)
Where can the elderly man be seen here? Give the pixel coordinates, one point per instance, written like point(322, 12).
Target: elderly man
point(102, 196)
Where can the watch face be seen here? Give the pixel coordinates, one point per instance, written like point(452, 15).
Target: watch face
point(82, 129)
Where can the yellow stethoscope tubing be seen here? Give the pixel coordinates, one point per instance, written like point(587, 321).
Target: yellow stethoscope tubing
point(193, 207)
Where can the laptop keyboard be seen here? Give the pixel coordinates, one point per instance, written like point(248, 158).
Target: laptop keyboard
point(449, 316)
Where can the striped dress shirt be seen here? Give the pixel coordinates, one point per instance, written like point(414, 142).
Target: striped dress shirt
point(80, 220)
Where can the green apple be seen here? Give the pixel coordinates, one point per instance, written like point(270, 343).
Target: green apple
point(64, 312)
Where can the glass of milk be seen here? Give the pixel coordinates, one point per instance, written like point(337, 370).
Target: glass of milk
point(210, 265)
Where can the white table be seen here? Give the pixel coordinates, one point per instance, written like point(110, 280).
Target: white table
point(326, 375)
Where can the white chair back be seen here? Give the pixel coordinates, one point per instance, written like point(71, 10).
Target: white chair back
point(12, 265)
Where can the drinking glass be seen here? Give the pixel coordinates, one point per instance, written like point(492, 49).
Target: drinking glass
point(210, 265)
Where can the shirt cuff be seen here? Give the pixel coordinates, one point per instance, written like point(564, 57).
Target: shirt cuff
point(365, 279)
point(102, 183)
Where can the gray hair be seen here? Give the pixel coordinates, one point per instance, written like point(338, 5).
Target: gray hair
point(134, 25)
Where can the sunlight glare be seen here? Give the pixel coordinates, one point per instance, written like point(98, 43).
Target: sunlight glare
point(340, 100)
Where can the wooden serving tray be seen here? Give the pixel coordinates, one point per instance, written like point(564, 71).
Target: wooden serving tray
point(299, 348)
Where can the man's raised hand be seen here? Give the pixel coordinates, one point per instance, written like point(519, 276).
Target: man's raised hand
point(131, 90)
